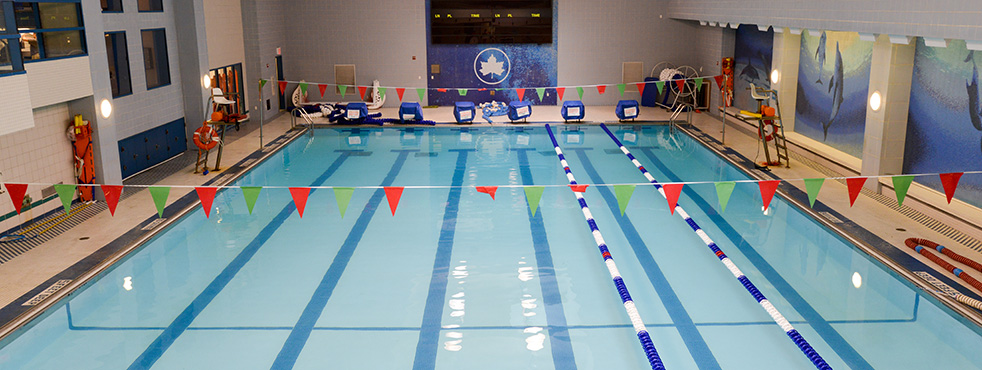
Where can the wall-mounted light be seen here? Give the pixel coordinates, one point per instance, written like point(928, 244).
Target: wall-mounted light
point(875, 101)
point(775, 76)
point(206, 81)
point(106, 107)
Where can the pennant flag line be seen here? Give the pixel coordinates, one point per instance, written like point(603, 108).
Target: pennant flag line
point(400, 91)
point(361, 91)
point(623, 193)
point(541, 91)
point(303, 88)
point(65, 193)
point(489, 190)
point(579, 91)
point(950, 182)
point(719, 81)
point(660, 85)
point(723, 191)
point(680, 84)
point(343, 197)
point(422, 94)
point(767, 189)
point(322, 88)
point(16, 193)
point(207, 196)
point(698, 84)
point(159, 195)
point(251, 194)
point(343, 89)
point(462, 92)
point(262, 83)
point(641, 87)
point(300, 198)
point(672, 192)
point(579, 188)
point(112, 192)
point(621, 88)
point(855, 185)
point(560, 91)
point(393, 194)
point(282, 87)
point(381, 92)
point(900, 186)
point(533, 194)
point(521, 93)
point(812, 187)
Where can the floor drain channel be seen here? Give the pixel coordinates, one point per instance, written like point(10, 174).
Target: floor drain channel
point(47, 292)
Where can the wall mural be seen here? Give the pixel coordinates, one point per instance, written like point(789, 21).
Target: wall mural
point(752, 56)
point(944, 125)
point(833, 83)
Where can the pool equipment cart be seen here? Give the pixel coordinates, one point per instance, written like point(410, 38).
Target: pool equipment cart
point(778, 318)
point(410, 112)
point(627, 110)
point(573, 110)
point(519, 110)
point(463, 111)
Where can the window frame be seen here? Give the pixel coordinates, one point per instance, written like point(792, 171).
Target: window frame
point(150, 11)
point(11, 35)
point(114, 11)
point(39, 32)
point(115, 54)
point(156, 57)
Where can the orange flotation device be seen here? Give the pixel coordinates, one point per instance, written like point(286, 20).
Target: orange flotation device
point(205, 137)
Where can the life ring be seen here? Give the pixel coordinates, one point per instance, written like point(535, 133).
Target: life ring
point(205, 137)
point(767, 131)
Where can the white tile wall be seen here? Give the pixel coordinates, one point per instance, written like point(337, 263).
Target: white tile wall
point(15, 105)
point(58, 81)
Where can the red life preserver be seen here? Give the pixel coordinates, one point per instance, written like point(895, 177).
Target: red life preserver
point(205, 137)
point(767, 131)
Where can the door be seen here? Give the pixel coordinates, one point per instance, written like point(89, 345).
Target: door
point(279, 77)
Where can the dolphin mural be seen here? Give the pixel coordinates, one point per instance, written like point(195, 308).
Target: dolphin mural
point(974, 104)
point(820, 57)
point(750, 72)
point(835, 88)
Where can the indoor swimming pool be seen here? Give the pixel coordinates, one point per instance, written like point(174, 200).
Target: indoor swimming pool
point(458, 280)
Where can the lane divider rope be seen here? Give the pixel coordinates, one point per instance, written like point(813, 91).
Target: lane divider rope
point(632, 310)
point(918, 246)
point(792, 333)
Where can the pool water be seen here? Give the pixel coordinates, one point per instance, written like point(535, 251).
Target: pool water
point(457, 280)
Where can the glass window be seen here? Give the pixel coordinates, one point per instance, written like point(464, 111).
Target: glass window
point(6, 64)
point(58, 15)
point(112, 6)
point(155, 58)
point(119, 64)
point(29, 49)
point(3, 20)
point(49, 29)
point(150, 5)
point(26, 16)
point(62, 44)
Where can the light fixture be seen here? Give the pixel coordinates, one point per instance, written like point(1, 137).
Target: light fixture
point(206, 81)
point(775, 76)
point(857, 280)
point(106, 107)
point(875, 101)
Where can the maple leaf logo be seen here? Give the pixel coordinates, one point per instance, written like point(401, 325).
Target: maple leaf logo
point(492, 67)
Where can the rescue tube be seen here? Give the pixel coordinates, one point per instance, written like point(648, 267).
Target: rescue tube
point(205, 137)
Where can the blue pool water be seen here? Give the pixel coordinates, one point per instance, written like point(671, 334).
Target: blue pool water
point(457, 280)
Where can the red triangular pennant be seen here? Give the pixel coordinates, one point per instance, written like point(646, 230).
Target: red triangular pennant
point(112, 193)
point(680, 84)
point(16, 192)
point(579, 188)
point(400, 91)
point(950, 183)
point(560, 91)
point(392, 194)
point(207, 196)
point(601, 89)
point(672, 192)
point(521, 93)
point(300, 198)
point(322, 88)
point(282, 87)
point(441, 90)
point(489, 190)
point(855, 185)
point(641, 90)
point(719, 81)
point(361, 91)
point(767, 189)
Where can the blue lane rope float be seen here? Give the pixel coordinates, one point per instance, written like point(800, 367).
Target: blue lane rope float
point(632, 310)
point(796, 337)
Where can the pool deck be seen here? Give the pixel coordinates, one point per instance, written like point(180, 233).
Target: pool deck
point(72, 252)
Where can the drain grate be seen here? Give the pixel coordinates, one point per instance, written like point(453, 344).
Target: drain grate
point(830, 217)
point(47, 292)
point(153, 224)
point(942, 287)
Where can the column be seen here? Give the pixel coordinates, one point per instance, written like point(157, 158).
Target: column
point(787, 49)
point(886, 127)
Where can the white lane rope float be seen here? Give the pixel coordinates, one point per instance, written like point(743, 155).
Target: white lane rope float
point(632, 310)
point(796, 337)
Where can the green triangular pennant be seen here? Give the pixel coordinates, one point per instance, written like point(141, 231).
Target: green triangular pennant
point(723, 191)
point(534, 195)
point(900, 185)
point(660, 86)
point(812, 186)
point(579, 91)
point(344, 89)
point(620, 88)
point(66, 193)
point(623, 193)
point(541, 91)
point(381, 92)
point(462, 92)
point(159, 194)
point(343, 196)
point(251, 193)
point(422, 94)
point(303, 87)
point(262, 83)
point(698, 84)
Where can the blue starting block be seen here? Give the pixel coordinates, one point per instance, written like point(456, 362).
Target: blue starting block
point(410, 111)
point(519, 110)
point(463, 111)
point(573, 110)
point(627, 109)
point(356, 111)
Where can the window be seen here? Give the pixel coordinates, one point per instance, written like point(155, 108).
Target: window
point(49, 30)
point(150, 5)
point(9, 57)
point(229, 79)
point(112, 6)
point(119, 64)
point(155, 58)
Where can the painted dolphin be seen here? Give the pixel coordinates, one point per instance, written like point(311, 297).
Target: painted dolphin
point(820, 57)
point(835, 88)
point(970, 57)
point(974, 104)
point(750, 72)
point(766, 62)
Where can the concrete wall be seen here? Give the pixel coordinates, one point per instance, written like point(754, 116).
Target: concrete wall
point(711, 45)
point(954, 19)
point(264, 28)
point(226, 46)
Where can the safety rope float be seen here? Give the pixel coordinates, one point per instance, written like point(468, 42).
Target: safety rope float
point(632, 311)
point(792, 333)
point(918, 246)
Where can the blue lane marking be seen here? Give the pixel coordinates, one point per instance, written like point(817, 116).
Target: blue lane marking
point(180, 324)
point(835, 340)
point(559, 342)
point(429, 334)
point(301, 331)
point(690, 335)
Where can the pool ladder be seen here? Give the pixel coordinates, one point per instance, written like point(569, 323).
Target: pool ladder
point(306, 117)
point(674, 121)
